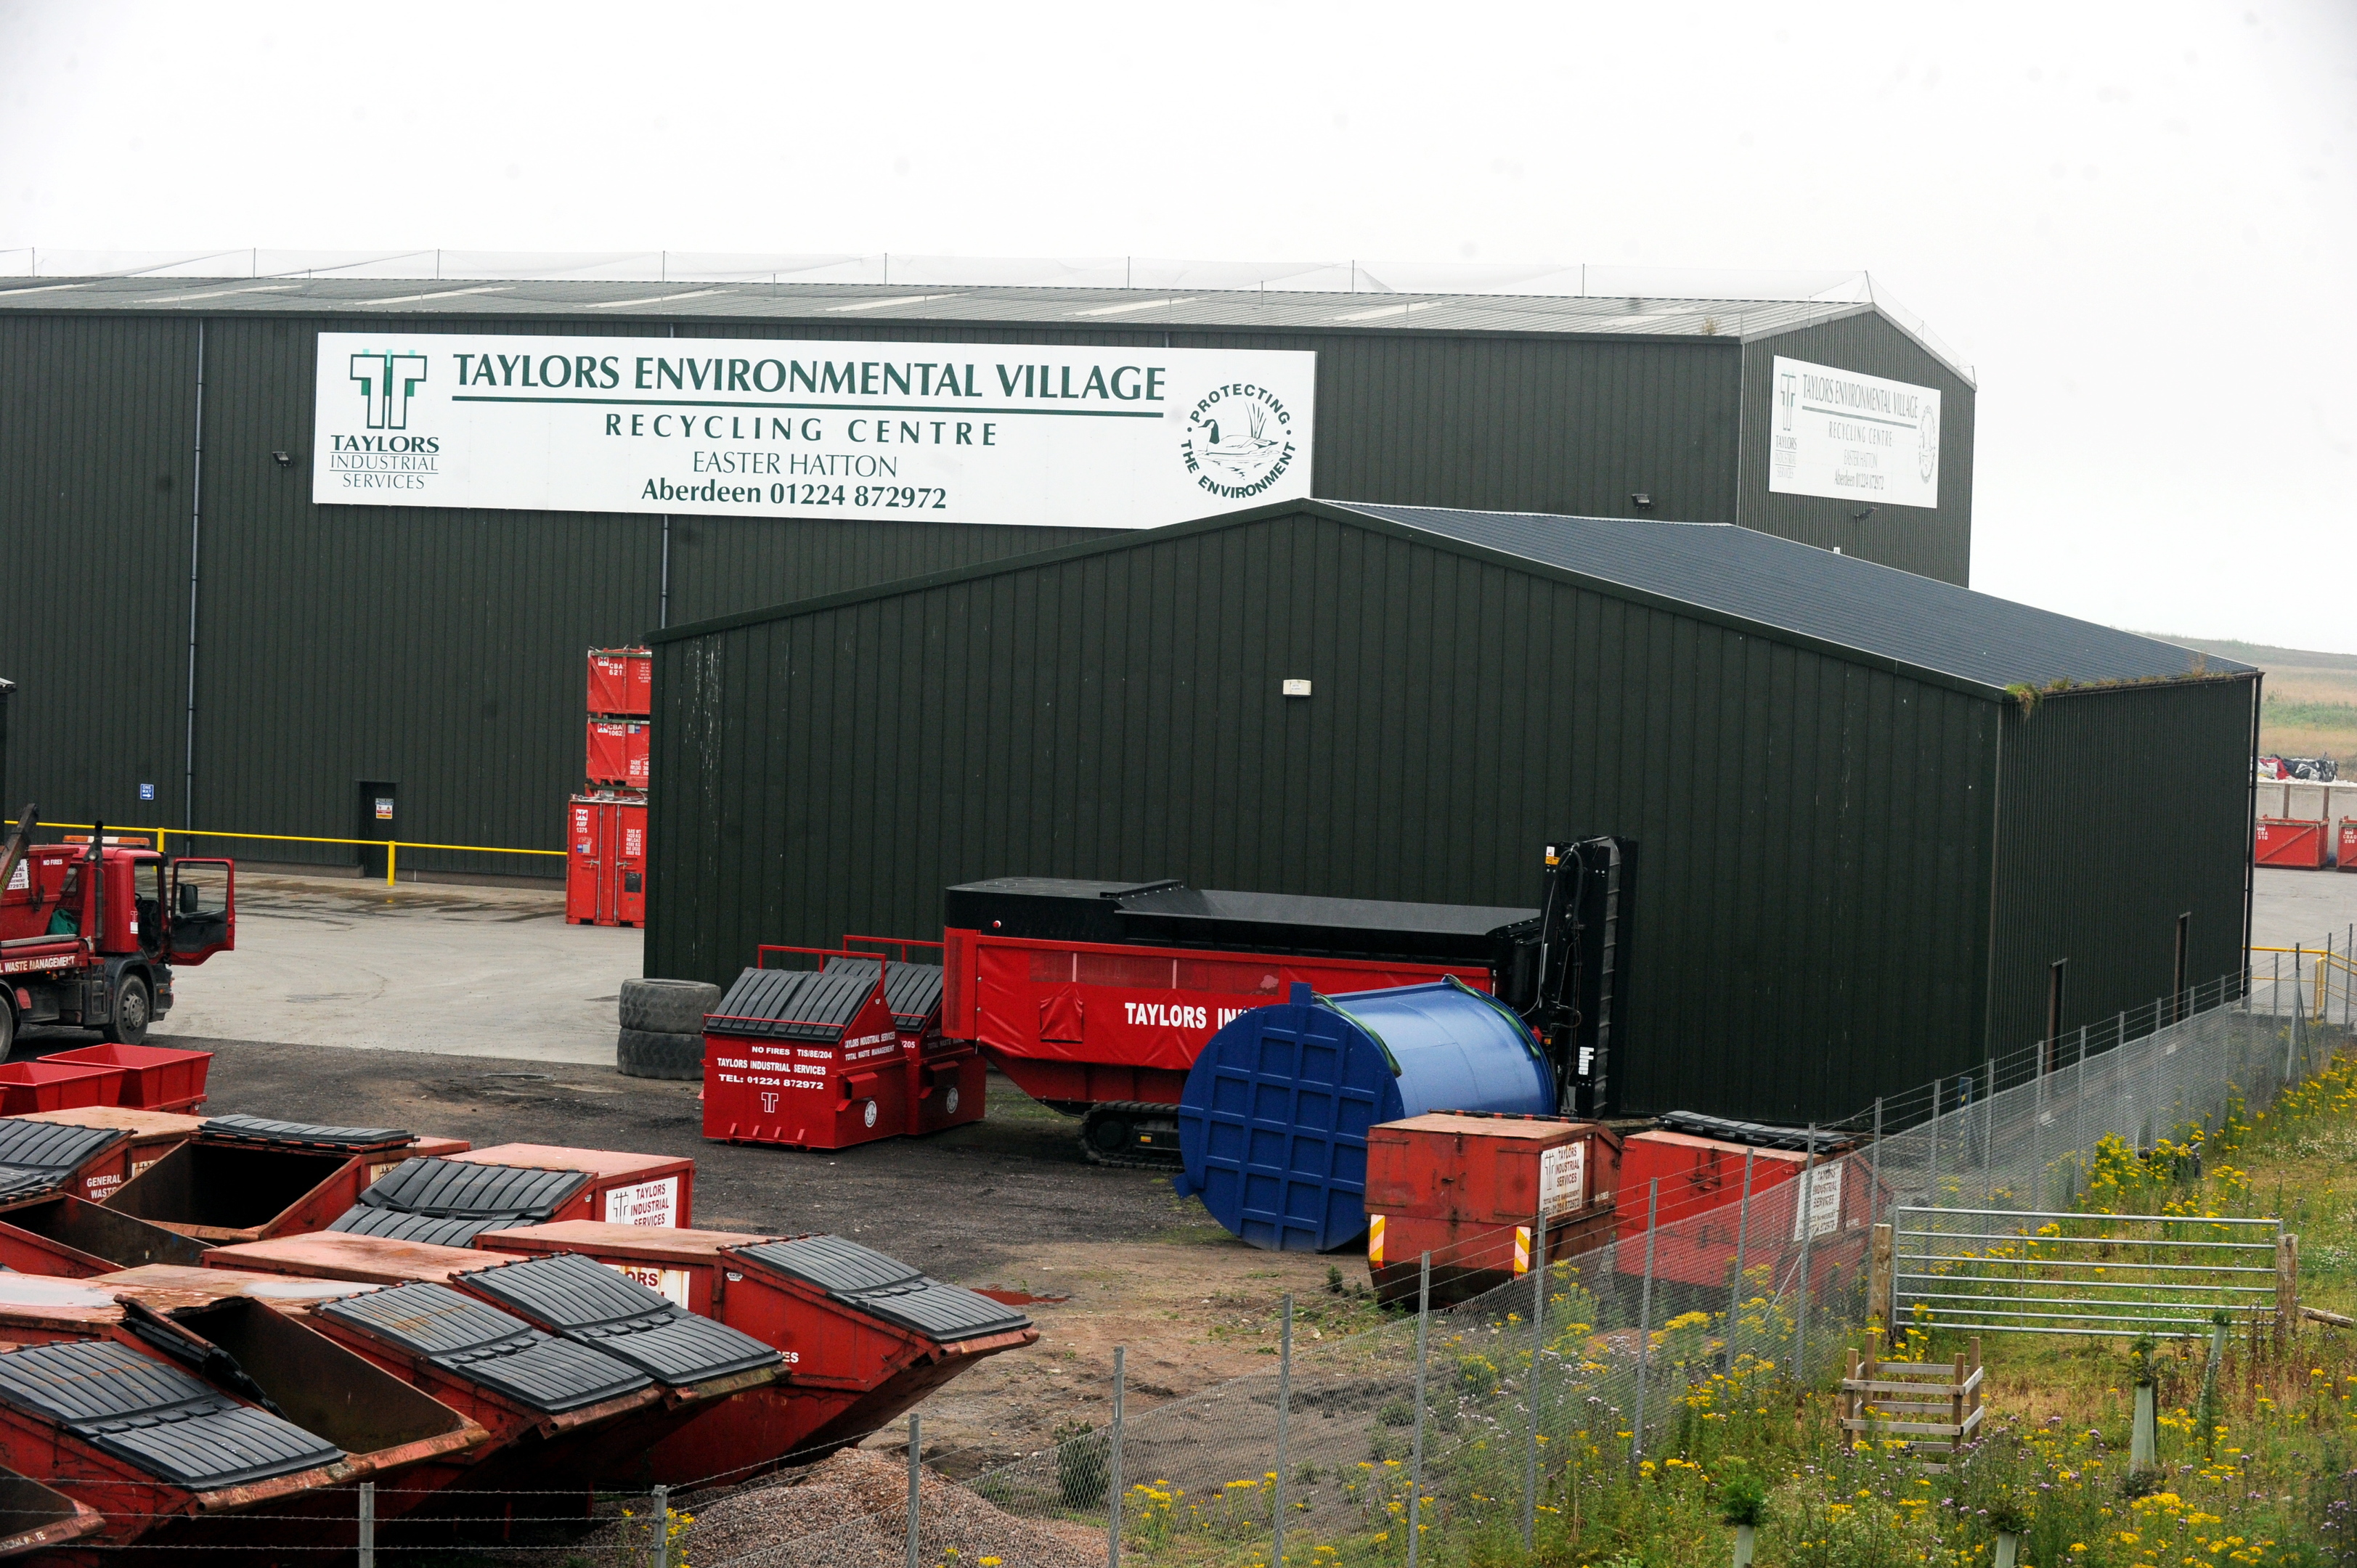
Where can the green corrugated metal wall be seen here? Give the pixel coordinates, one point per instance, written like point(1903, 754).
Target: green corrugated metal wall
point(441, 648)
point(2143, 792)
point(1815, 873)
point(1929, 541)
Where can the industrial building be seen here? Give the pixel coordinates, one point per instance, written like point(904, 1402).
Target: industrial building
point(1873, 810)
point(281, 605)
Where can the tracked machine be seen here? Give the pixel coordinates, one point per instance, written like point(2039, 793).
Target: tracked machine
point(1096, 997)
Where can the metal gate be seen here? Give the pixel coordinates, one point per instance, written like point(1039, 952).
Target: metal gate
point(1995, 1271)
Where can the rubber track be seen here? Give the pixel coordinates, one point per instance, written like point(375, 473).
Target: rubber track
point(1158, 1162)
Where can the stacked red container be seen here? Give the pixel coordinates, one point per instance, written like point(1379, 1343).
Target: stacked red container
point(605, 827)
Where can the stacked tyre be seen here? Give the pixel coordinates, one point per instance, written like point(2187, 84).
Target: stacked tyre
point(662, 1027)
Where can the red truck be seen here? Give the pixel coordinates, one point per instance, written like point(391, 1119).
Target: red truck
point(92, 929)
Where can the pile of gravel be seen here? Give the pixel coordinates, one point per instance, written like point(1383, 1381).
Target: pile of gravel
point(662, 1027)
point(850, 1510)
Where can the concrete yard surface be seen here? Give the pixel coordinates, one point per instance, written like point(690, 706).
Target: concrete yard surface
point(489, 971)
point(2302, 908)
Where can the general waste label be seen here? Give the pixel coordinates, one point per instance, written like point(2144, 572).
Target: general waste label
point(644, 1203)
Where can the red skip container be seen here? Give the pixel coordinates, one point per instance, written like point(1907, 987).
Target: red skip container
point(154, 1078)
point(616, 753)
point(27, 1087)
point(621, 682)
point(1466, 1187)
point(2282, 841)
point(2348, 843)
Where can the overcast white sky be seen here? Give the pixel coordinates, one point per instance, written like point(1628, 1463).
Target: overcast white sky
point(2137, 221)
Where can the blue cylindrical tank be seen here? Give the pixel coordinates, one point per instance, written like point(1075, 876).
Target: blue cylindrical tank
point(1272, 1124)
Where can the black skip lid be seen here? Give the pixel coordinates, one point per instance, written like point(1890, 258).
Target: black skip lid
point(155, 1416)
point(301, 1134)
point(399, 1225)
point(17, 1182)
point(463, 1188)
point(482, 1344)
point(53, 1145)
point(793, 1004)
point(594, 1305)
point(913, 991)
point(883, 1286)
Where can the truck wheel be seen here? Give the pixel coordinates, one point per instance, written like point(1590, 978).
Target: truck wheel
point(648, 1053)
point(667, 1006)
point(134, 1009)
point(7, 1030)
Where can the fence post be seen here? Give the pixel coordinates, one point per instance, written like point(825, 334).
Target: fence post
point(1415, 1455)
point(1538, 1345)
point(1874, 1175)
point(2078, 1114)
point(1112, 1462)
point(661, 1521)
point(1283, 1406)
point(1644, 1323)
point(2286, 1285)
point(2153, 1052)
point(916, 1468)
point(367, 1525)
point(1988, 1127)
point(1743, 1233)
point(2037, 1137)
point(1809, 1177)
point(1932, 1184)
point(1882, 1279)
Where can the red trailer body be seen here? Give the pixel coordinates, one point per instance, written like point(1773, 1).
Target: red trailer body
point(865, 1337)
point(616, 753)
point(1467, 1187)
point(606, 863)
point(1074, 1023)
point(2282, 841)
point(621, 683)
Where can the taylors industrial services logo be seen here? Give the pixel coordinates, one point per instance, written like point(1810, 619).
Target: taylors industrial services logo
point(389, 455)
point(1238, 440)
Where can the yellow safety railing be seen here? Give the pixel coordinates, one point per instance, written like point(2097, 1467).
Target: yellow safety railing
point(2335, 973)
point(392, 847)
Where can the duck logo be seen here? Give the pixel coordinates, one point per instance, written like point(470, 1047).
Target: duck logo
point(1238, 441)
point(387, 382)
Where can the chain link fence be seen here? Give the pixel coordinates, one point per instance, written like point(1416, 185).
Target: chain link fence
point(1478, 1417)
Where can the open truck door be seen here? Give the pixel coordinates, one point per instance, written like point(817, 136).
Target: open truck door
point(204, 909)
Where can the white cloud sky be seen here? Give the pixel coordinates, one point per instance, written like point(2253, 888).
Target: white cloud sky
point(2136, 220)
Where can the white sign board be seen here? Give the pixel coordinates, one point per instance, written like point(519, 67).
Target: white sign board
point(1820, 1199)
point(1563, 1179)
point(1120, 437)
point(644, 1203)
point(670, 1284)
point(1852, 437)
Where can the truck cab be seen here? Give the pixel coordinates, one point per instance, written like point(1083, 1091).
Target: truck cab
point(91, 933)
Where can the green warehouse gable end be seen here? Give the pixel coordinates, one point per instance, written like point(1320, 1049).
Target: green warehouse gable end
point(1859, 852)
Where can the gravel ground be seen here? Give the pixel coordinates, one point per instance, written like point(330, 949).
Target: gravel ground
point(852, 1512)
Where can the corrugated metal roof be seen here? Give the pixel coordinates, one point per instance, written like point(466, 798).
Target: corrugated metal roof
point(1716, 570)
point(1838, 601)
point(1078, 310)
